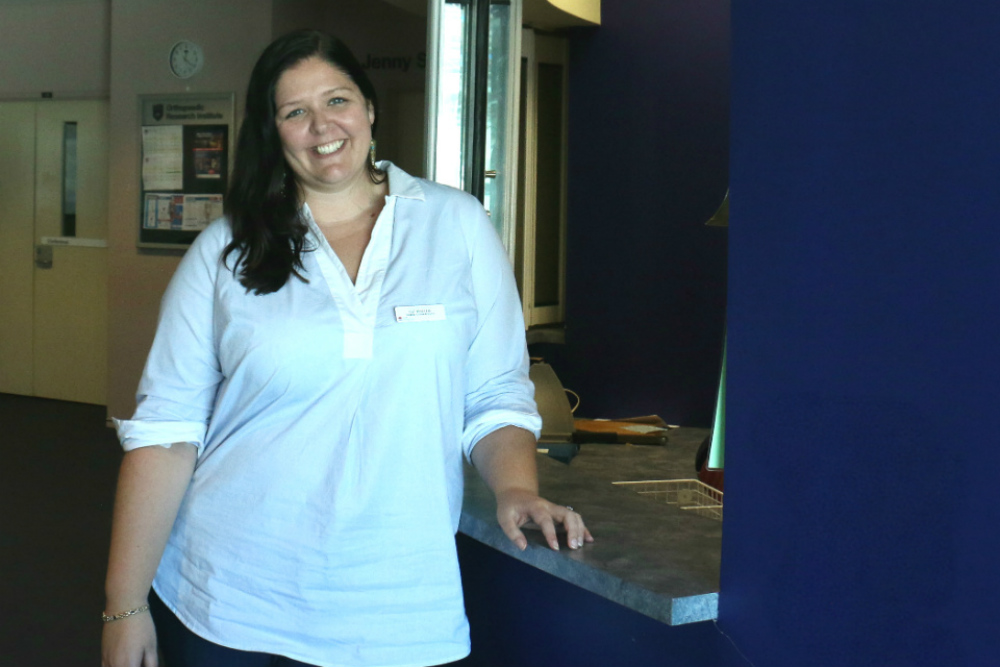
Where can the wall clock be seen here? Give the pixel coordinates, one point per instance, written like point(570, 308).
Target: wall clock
point(186, 59)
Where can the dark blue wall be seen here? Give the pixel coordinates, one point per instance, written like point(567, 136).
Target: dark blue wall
point(864, 298)
point(862, 517)
point(648, 165)
point(523, 617)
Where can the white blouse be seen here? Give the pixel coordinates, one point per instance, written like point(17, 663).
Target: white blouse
point(331, 420)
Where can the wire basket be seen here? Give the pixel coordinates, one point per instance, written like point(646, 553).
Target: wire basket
point(690, 495)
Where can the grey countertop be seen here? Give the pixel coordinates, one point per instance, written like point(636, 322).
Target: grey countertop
point(649, 556)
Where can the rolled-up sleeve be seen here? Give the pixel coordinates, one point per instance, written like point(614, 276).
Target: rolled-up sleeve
point(182, 375)
point(499, 392)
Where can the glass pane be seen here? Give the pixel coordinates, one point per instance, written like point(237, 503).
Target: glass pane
point(453, 81)
point(69, 180)
point(548, 198)
point(496, 114)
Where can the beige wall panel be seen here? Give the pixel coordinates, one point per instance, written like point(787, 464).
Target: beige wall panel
point(17, 202)
point(232, 34)
point(48, 170)
point(57, 47)
point(408, 121)
point(71, 326)
point(291, 15)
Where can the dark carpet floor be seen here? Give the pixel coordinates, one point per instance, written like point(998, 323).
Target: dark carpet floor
point(58, 466)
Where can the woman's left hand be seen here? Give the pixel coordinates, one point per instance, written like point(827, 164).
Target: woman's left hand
point(517, 508)
point(505, 458)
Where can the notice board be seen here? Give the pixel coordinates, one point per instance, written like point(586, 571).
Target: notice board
point(186, 159)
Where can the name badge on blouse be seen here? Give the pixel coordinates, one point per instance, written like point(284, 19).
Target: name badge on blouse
point(420, 313)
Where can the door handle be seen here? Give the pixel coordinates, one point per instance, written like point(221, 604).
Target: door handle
point(43, 256)
point(43, 250)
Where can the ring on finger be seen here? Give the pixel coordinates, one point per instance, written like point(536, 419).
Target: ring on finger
point(570, 508)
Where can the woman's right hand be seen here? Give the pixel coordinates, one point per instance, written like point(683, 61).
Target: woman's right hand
point(129, 642)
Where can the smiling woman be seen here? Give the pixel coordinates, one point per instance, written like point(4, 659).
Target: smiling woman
point(327, 355)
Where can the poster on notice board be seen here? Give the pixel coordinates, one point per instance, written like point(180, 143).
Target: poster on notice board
point(186, 159)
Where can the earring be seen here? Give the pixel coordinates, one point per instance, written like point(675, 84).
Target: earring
point(371, 156)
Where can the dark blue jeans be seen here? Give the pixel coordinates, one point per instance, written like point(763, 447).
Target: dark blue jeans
point(182, 648)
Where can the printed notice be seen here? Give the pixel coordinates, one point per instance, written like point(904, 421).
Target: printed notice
point(200, 210)
point(168, 211)
point(208, 153)
point(163, 157)
point(162, 211)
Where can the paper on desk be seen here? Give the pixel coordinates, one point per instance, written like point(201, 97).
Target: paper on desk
point(643, 428)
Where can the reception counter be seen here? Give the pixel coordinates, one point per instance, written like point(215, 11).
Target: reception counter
point(650, 557)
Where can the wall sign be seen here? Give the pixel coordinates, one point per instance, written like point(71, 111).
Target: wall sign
point(186, 159)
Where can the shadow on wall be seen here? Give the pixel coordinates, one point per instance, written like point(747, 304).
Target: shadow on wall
point(648, 166)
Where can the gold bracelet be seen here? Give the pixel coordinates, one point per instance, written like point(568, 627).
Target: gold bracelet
point(124, 614)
